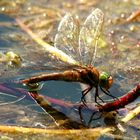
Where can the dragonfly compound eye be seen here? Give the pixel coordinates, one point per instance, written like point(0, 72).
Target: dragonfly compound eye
point(105, 80)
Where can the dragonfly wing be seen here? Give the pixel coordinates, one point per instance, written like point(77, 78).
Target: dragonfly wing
point(67, 37)
point(89, 35)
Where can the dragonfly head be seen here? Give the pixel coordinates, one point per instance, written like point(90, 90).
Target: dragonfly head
point(105, 80)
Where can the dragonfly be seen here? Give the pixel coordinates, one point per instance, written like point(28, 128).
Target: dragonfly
point(77, 44)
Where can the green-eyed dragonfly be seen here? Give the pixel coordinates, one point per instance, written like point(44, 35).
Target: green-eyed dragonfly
point(80, 44)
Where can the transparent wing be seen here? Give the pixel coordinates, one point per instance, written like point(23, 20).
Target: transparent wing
point(89, 35)
point(67, 37)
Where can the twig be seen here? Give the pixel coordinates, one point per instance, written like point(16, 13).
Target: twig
point(93, 132)
point(52, 50)
point(133, 16)
point(122, 101)
point(133, 113)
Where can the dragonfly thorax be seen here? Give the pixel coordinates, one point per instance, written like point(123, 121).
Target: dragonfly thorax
point(90, 76)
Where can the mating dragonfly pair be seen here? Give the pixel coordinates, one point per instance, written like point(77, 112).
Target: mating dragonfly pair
point(78, 45)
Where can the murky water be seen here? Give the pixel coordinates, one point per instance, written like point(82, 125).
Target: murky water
point(118, 51)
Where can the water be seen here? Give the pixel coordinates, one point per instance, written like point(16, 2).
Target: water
point(118, 52)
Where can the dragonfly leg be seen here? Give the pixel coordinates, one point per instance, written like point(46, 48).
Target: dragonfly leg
point(93, 119)
point(97, 96)
point(80, 114)
point(108, 93)
point(84, 93)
